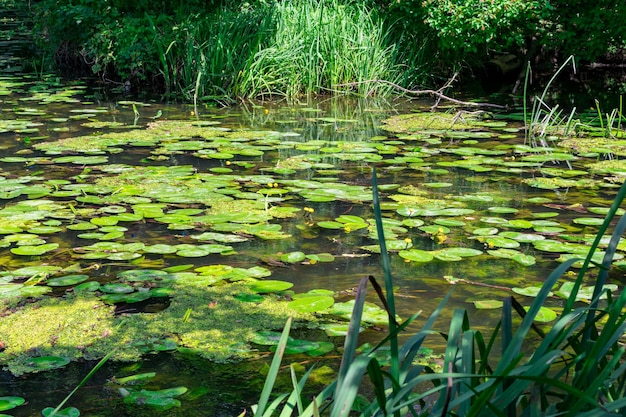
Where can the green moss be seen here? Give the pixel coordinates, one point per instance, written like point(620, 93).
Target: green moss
point(218, 326)
point(595, 144)
point(75, 327)
point(415, 122)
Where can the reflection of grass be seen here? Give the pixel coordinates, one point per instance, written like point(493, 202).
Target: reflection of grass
point(575, 366)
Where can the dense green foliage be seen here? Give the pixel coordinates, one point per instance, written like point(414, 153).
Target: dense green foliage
point(207, 48)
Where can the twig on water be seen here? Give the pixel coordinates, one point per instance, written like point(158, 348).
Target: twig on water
point(436, 93)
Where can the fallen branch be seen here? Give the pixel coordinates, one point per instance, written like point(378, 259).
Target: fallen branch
point(436, 93)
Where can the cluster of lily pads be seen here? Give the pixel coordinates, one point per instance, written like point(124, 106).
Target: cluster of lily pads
point(172, 218)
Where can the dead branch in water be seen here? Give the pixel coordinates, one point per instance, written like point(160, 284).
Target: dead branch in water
point(436, 93)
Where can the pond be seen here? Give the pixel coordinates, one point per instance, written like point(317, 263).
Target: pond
point(178, 236)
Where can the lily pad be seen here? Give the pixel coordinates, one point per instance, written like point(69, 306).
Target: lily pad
point(45, 363)
point(311, 304)
point(8, 403)
point(269, 285)
point(545, 314)
point(67, 280)
point(488, 304)
point(65, 412)
point(416, 255)
point(293, 257)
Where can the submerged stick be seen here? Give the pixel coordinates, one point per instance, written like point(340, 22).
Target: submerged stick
point(429, 92)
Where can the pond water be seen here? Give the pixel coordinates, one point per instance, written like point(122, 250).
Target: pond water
point(191, 230)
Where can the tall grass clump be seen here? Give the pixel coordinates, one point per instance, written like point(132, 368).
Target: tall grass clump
point(202, 57)
point(320, 46)
point(574, 368)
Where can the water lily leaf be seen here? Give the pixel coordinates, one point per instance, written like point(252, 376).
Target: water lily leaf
point(219, 237)
point(195, 252)
point(556, 246)
point(104, 221)
point(269, 285)
point(82, 226)
point(266, 337)
point(89, 286)
point(589, 221)
point(335, 329)
point(488, 304)
point(462, 252)
point(293, 257)
point(502, 210)
point(412, 222)
point(485, 231)
point(320, 257)
point(545, 314)
point(522, 237)
point(501, 242)
point(517, 256)
point(134, 379)
point(160, 248)
point(330, 225)
point(527, 291)
point(322, 349)
point(449, 222)
point(139, 275)
point(34, 250)
point(372, 313)
point(67, 280)
point(434, 229)
point(416, 255)
point(44, 363)
point(584, 293)
point(44, 230)
point(311, 304)
point(520, 224)
point(249, 298)
point(7, 403)
point(65, 412)
point(114, 288)
point(295, 346)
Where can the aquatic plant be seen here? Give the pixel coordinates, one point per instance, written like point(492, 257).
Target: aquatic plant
point(575, 367)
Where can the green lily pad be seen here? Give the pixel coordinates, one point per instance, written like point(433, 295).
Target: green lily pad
point(502, 210)
point(65, 412)
point(485, 231)
point(67, 280)
point(113, 288)
point(501, 242)
point(416, 255)
point(589, 221)
point(8, 403)
point(28, 250)
point(293, 257)
point(161, 400)
point(584, 293)
point(545, 314)
point(45, 363)
point(336, 329)
point(488, 304)
point(311, 304)
point(249, 298)
point(89, 286)
point(269, 285)
point(517, 256)
point(527, 291)
point(372, 313)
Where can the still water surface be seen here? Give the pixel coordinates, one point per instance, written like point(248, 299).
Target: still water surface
point(325, 143)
